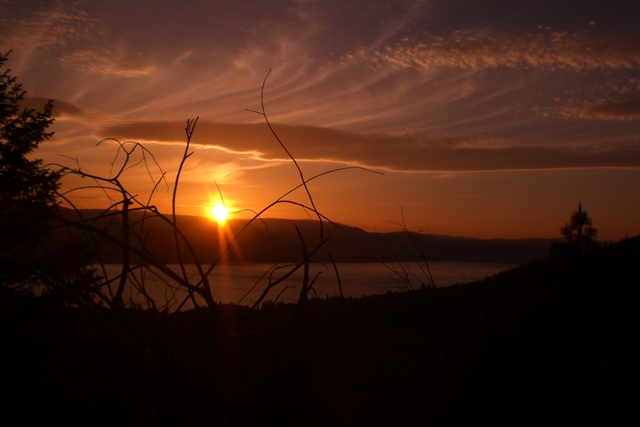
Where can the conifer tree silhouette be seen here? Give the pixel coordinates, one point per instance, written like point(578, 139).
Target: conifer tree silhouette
point(578, 233)
point(27, 189)
point(28, 208)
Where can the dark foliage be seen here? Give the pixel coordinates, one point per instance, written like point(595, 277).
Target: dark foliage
point(28, 209)
point(579, 236)
point(27, 190)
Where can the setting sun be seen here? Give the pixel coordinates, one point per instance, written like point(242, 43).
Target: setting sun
point(219, 212)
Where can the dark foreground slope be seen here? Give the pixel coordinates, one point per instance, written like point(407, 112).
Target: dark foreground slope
point(551, 342)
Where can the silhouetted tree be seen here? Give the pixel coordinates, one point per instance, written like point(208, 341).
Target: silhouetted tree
point(27, 189)
point(28, 199)
point(578, 234)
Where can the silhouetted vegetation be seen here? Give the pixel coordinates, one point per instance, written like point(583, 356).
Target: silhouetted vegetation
point(550, 342)
point(28, 208)
point(579, 236)
point(411, 247)
point(27, 190)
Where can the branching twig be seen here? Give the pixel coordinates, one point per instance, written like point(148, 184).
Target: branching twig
point(275, 135)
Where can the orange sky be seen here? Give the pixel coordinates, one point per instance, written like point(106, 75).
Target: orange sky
point(487, 120)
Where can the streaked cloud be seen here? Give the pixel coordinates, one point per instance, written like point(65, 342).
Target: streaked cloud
point(45, 28)
point(67, 31)
point(60, 108)
point(108, 62)
point(402, 152)
point(546, 49)
point(628, 109)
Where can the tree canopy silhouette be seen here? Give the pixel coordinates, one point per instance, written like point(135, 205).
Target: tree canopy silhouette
point(27, 189)
point(28, 208)
point(578, 233)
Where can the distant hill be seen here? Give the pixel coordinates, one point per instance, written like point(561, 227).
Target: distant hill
point(272, 240)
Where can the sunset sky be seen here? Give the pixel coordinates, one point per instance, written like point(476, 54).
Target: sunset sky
point(487, 118)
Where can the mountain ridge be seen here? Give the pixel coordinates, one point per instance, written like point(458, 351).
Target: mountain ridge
point(276, 239)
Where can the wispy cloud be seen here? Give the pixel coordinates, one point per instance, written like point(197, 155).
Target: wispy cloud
point(67, 33)
point(30, 31)
point(546, 49)
point(61, 108)
point(109, 62)
point(607, 110)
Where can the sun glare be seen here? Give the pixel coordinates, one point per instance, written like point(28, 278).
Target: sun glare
point(219, 213)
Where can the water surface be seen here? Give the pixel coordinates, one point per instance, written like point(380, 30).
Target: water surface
point(244, 283)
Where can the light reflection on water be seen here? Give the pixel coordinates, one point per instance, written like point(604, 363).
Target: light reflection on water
point(230, 282)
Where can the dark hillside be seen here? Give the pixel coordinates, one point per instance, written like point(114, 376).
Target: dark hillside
point(272, 240)
point(554, 341)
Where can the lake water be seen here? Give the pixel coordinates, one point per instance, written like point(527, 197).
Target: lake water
point(233, 283)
